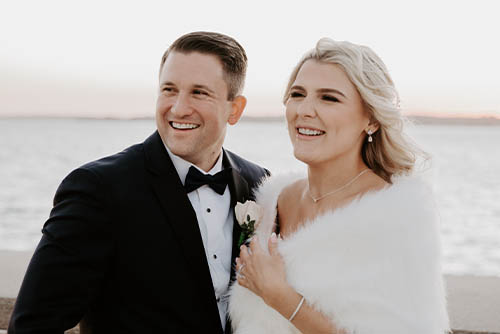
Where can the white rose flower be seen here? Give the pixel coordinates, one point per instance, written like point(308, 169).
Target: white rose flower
point(248, 211)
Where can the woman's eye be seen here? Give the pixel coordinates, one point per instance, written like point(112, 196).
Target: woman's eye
point(296, 94)
point(330, 98)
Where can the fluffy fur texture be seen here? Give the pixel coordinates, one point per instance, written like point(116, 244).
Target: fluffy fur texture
point(372, 266)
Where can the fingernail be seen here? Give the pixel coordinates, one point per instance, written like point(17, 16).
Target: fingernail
point(273, 237)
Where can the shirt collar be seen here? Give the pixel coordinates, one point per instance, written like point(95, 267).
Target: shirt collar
point(182, 166)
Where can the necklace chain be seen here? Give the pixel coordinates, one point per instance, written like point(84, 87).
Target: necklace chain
point(317, 199)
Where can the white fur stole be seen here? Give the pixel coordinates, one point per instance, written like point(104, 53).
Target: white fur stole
point(373, 266)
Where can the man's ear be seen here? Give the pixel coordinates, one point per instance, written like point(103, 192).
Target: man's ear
point(237, 106)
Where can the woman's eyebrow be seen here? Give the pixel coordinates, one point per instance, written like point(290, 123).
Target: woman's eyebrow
point(331, 90)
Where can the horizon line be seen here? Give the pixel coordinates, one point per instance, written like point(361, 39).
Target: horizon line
point(422, 115)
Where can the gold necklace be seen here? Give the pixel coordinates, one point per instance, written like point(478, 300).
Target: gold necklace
point(315, 200)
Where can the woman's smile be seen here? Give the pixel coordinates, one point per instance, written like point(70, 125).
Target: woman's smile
point(307, 133)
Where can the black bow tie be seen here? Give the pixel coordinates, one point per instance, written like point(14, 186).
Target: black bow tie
point(196, 179)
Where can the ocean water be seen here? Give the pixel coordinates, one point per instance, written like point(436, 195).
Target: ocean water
point(36, 154)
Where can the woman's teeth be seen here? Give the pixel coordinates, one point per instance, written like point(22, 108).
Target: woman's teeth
point(310, 132)
point(183, 126)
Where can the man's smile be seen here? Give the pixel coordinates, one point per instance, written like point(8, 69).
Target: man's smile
point(184, 126)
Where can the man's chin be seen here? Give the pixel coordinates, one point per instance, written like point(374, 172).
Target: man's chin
point(178, 150)
point(179, 146)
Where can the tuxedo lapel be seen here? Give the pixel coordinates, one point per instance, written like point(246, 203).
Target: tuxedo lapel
point(173, 199)
point(240, 192)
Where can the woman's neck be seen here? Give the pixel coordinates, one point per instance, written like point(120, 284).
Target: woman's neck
point(330, 175)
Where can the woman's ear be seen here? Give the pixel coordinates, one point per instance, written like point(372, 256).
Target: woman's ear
point(373, 126)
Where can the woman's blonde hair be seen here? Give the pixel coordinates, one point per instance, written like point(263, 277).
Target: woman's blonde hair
point(391, 152)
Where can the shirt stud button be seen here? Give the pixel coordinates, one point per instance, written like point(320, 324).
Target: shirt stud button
point(215, 256)
point(208, 210)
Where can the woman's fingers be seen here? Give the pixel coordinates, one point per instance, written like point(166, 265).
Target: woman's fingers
point(242, 281)
point(240, 274)
point(254, 245)
point(257, 270)
point(272, 244)
point(244, 260)
point(244, 253)
point(238, 264)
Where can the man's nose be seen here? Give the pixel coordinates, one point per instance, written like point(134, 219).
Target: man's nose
point(181, 106)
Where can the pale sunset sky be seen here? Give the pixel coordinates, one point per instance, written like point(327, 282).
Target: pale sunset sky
point(100, 58)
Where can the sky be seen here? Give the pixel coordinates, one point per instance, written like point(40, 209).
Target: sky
point(100, 58)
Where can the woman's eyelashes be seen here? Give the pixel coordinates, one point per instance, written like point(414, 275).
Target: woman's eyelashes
point(299, 93)
point(296, 94)
point(329, 98)
point(324, 97)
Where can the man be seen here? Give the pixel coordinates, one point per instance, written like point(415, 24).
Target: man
point(143, 241)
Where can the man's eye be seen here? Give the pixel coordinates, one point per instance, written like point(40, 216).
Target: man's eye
point(296, 94)
point(330, 98)
point(167, 89)
point(199, 92)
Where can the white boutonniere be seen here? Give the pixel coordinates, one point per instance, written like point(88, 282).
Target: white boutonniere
point(248, 215)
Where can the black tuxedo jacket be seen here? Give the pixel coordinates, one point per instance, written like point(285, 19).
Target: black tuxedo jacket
point(122, 251)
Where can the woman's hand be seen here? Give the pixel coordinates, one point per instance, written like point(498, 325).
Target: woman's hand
point(264, 274)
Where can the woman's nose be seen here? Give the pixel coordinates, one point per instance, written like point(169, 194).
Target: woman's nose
point(306, 108)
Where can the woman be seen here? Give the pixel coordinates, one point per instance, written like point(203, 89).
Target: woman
point(358, 247)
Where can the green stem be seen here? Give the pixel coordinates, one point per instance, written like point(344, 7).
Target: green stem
point(242, 238)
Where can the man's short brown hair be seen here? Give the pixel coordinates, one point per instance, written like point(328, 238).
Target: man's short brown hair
point(225, 48)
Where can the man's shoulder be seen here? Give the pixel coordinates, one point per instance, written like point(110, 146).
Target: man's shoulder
point(127, 165)
point(248, 169)
point(128, 159)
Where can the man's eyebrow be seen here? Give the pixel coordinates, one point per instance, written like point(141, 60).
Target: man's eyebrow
point(167, 83)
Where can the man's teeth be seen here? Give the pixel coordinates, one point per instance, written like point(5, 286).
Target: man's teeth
point(184, 125)
point(310, 132)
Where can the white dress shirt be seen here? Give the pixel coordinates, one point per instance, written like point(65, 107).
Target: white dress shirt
point(215, 220)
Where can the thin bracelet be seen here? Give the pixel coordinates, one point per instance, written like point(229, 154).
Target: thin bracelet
point(297, 309)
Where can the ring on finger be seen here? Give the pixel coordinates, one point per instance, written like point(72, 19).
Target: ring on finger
point(241, 269)
point(238, 272)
